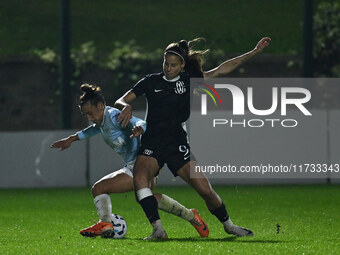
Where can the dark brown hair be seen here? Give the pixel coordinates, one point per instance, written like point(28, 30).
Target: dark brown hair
point(192, 58)
point(91, 93)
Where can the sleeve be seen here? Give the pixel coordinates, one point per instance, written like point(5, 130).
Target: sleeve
point(140, 87)
point(138, 122)
point(114, 113)
point(134, 121)
point(88, 132)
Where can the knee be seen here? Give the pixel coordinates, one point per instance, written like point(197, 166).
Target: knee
point(141, 177)
point(139, 181)
point(144, 170)
point(96, 189)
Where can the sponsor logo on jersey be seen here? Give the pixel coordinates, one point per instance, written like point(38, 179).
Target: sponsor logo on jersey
point(148, 152)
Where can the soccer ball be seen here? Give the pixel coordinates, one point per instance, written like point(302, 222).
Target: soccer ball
point(119, 226)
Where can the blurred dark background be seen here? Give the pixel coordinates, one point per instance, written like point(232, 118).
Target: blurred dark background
point(113, 44)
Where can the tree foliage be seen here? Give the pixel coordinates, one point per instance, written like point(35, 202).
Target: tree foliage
point(327, 39)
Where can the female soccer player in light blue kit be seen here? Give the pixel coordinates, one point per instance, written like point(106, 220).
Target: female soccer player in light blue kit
point(125, 141)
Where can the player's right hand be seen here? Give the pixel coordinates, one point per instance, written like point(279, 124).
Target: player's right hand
point(136, 131)
point(125, 116)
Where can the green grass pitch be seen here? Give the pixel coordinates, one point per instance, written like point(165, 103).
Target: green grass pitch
point(47, 221)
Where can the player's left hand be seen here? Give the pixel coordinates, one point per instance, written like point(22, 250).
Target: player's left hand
point(263, 43)
point(62, 144)
point(136, 131)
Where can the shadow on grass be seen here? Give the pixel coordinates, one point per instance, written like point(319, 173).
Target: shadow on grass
point(227, 239)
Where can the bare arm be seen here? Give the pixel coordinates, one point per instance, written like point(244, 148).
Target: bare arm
point(64, 143)
point(229, 65)
point(123, 104)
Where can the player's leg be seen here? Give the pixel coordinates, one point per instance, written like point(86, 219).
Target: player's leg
point(169, 205)
point(214, 203)
point(144, 170)
point(178, 154)
point(202, 185)
point(116, 182)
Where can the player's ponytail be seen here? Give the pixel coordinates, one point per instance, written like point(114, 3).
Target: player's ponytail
point(92, 94)
point(183, 44)
point(192, 58)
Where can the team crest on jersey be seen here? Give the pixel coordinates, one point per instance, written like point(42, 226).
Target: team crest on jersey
point(180, 88)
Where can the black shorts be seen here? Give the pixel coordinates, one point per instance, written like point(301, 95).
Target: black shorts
point(172, 151)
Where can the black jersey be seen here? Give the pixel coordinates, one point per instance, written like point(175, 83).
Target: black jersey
point(168, 104)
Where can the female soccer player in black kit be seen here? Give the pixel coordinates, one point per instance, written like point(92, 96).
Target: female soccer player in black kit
point(165, 141)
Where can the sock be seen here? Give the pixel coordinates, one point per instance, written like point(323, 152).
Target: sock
point(232, 229)
point(169, 205)
point(104, 207)
point(149, 204)
point(221, 213)
point(157, 225)
point(228, 224)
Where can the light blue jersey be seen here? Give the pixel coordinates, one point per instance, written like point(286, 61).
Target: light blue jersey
point(114, 135)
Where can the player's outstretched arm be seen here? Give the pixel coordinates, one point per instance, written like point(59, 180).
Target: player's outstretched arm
point(123, 104)
point(64, 143)
point(230, 65)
